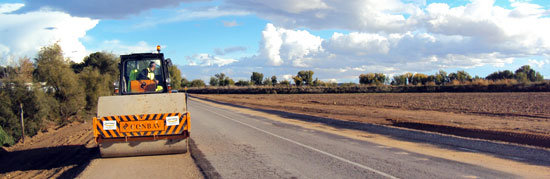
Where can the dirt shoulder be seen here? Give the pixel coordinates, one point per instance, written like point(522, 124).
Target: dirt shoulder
point(70, 152)
point(58, 153)
point(510, 116)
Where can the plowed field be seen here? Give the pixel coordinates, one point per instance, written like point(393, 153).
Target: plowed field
point(527, 113)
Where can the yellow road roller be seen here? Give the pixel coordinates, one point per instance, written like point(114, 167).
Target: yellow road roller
point(145, 117)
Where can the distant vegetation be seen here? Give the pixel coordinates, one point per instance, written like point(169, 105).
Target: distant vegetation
point(523, 75)
point(523, 79)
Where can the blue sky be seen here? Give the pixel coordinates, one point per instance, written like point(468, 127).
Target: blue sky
point(337, 39)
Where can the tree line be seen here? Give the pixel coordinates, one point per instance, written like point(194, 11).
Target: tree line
point(524, 74)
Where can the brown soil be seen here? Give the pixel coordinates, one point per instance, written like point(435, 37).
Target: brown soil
point(58, 153)
point(518, 113)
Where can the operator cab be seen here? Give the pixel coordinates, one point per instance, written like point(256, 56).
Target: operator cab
point(144, 73)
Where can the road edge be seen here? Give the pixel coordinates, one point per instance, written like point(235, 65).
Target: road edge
point(205, 167)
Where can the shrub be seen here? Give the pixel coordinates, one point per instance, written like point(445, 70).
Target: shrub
point(285, 83)
point(5, 139)
point(242, 83)
point(480, 82)
point(197, 83)
point(53, 68)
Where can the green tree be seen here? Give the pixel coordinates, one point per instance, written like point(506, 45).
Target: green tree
point(95, 86)
point(306, 77)
point(97, 73)
point(409, 77)
point(256, 78)
point(53, 68)
point(267, 82)
point(106, 63)
point(526, 74)
point(453, 76)
point(8, 120)
point(12, 96)
point(175, 77)
point(399, 80)
point(441, 78)
point(285, 83)
point(419, 78)
point(223, 80)
point(318, 82)
point(298, 80)
point(229, 82)
point(372, 78)
point(242, 83)
point(214, 81)
point(522, 77)
point(197, 83)
point(500, 75)
point(366, 79)
point(380, 78)
point(274, 80)
point(184, 83)
point(463, 76)
point(107, 66)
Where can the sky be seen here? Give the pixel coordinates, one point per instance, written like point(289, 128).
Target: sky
point(336, 39)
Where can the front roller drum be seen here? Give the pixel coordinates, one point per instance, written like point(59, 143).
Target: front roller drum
point(139, 148)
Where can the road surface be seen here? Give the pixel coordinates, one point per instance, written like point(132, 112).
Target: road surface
point(238, 145)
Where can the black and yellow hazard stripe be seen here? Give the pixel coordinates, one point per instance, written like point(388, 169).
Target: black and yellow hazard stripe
point(168, 130)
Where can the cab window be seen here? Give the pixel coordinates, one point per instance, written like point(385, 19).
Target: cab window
point(143, 76)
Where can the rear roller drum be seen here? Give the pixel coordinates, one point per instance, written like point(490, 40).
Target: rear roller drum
point(138, 148)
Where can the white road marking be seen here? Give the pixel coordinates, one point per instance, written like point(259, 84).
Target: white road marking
point(466, 149)
point(383, 146)
point(308, 147)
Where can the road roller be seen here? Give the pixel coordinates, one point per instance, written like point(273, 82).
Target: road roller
point(145, 116)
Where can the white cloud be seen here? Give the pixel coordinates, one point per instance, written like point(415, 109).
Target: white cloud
point(206, 60)
point(359, 44)
point(280, 46)
point(24, 34)
point(102, 9)
point(538, 63)
point(10, 7)
point(287, 77)
point(117, 47)
point(187, 15)
point(357, 15)
point(522, 29)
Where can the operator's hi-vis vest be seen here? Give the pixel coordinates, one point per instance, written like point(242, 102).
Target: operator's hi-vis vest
point(150, 74)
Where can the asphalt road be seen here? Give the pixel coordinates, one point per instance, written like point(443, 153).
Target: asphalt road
point(238, 145)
